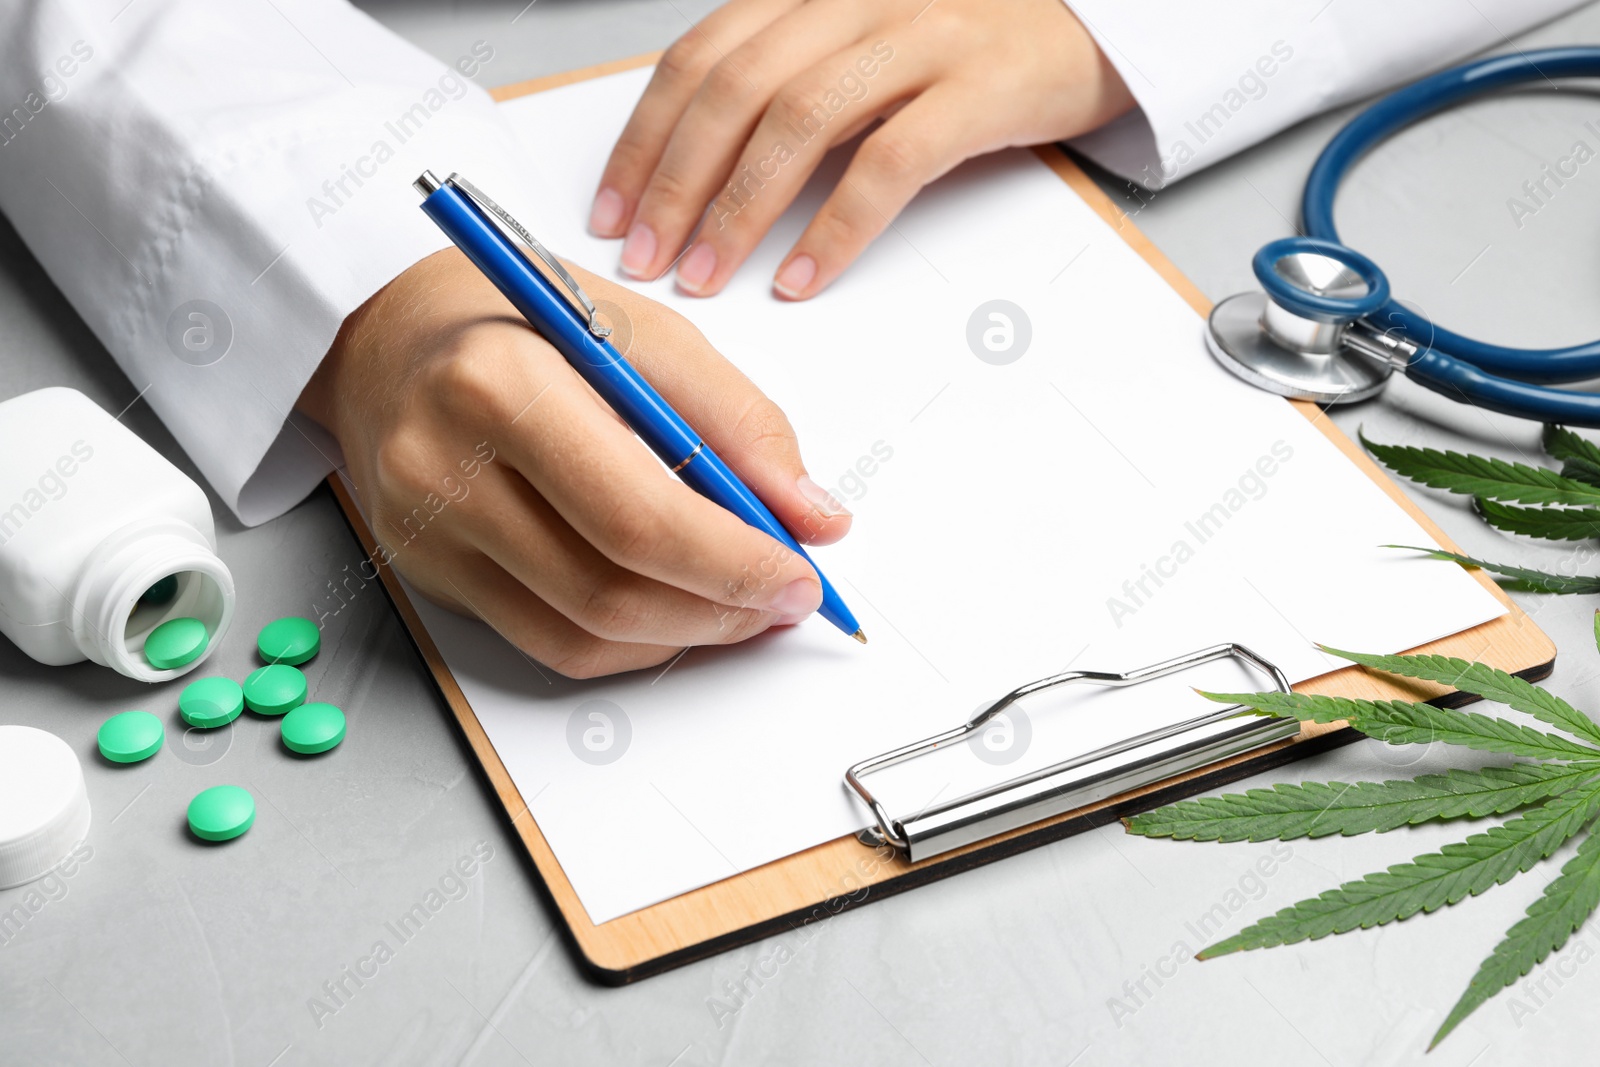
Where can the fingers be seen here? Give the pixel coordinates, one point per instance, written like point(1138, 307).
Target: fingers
point(617, 497)
point(740, 423)
point(679, 75)
point(925, 139)
point(522, 533)
point(699, 181)
point(824, 107)
point(481, 587)
point(700, 156)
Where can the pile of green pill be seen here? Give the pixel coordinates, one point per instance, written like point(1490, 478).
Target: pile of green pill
point(277, 689)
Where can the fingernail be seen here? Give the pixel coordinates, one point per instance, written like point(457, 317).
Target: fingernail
point(696, 267)
point(800, 597)
point(606, 214)
point(795, 276)
point(826, 503)
point(638, 250)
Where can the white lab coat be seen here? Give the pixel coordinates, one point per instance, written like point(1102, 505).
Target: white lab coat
point(216, 186)
point(1213, 77)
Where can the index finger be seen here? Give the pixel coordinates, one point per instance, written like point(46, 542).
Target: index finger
point(676, 79)
point(737, 420)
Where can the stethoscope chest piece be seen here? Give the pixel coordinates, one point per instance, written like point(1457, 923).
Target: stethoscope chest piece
point(1293, 338)
point(1323, 327)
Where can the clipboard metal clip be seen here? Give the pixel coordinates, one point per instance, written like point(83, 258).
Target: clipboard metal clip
point(1082, 780)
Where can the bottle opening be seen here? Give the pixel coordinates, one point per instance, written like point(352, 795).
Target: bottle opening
point(140, 577)
point(186, 594)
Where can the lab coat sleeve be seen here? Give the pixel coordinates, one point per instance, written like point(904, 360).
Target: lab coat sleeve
point(1212, 77)
point(216, 186)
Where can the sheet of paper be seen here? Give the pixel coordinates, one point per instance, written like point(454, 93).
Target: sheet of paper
point(1108, 499)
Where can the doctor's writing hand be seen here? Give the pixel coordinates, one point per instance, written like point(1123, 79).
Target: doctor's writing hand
point(743, 107)
point(502, 486)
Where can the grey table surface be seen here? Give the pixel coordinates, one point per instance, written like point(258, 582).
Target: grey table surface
point(158, 950)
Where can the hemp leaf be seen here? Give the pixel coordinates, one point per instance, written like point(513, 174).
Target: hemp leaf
point(1483, 476)
point(1561, 443)
point(1552, 524)
point(1427, 883)
point(1554, 506)
point(1568, 900)
point(1485, 681)
point(1318, 809)
point(1402, 722)
point(1522, 579)
point(1551, 801)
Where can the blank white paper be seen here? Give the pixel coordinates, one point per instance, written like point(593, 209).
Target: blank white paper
point(1110, 499)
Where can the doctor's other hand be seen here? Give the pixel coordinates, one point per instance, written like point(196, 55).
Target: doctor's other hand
point(741, 110)
point(502, 486)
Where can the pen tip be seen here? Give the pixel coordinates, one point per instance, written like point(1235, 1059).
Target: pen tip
point(859, 636)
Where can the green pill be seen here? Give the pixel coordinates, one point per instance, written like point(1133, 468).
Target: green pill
point(130, 737)
point(175, 642)
point(313, 728)
point(290, 640)
point(221, 813)
point(210, 702)
point(274, 689)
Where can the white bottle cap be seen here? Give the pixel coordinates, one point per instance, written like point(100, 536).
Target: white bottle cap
point(44, 807)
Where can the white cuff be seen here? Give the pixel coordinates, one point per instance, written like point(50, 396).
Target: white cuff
point(1212, 77)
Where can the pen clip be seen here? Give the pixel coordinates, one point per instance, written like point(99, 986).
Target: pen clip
point(482, 200)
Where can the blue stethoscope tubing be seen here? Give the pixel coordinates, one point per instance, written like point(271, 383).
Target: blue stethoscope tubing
point(1509, 380)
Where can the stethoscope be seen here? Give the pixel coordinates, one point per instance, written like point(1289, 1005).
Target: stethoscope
point(1324, 328)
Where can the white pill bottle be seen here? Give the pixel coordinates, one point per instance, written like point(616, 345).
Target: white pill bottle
point(101, 539)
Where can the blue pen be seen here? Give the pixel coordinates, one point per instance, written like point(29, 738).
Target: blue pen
point(459, 209)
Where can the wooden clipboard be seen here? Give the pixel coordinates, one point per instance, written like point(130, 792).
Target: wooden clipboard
point(844, 873)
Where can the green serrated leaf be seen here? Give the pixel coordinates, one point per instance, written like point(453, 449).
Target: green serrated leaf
point(1581, 470)
point(1484, 681)
point(1565, 445)
point(1426, 883)
point(1522, 579)
point(1568, 900)
point(1317, 809)
point(1580, 458)
point(1483, 476)
point(1552, 524)
point(1401, 722)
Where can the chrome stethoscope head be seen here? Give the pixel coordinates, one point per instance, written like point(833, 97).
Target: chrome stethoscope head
point(1304, 335)
point(1325, 328)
